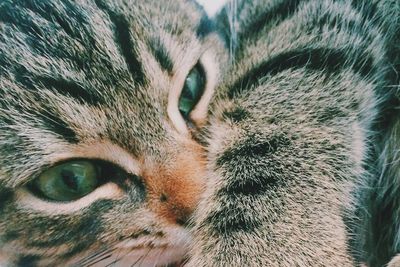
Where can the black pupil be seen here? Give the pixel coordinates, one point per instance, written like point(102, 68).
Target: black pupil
point(69, 179)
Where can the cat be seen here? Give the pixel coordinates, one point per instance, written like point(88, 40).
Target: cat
point(97, 160)
point(128, 139)
point(303, 137)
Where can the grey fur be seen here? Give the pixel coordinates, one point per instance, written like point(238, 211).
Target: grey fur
point(299, 151)
point(303, 138)
point(83, 75)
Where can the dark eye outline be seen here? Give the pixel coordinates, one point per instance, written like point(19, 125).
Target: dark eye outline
point(106, 172)
point(191, 95)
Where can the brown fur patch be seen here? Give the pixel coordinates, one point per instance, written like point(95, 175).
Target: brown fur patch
point(174, 190)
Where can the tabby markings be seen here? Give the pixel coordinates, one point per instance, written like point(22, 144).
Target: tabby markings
point(124, 41)
point(327, 59)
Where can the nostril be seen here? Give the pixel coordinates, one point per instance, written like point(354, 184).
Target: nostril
point(163, 198)
point(181, 214)
point(173, 190)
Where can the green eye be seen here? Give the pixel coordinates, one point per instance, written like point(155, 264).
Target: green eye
point(68, 181)
point(192, 91)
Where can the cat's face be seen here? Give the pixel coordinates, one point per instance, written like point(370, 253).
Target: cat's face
point(97, 162)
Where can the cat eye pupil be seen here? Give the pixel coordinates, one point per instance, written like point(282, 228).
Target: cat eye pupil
point(192, 90)
point(69, 179)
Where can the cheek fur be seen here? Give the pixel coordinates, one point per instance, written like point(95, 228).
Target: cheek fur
point(173, 191)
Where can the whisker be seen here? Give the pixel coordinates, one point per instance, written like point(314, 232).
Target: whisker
point(99, 260)
point(141, 258)
point(144, 257)
point(158, 257)
point(118, 258)
point(133, 264)
point(93, 258)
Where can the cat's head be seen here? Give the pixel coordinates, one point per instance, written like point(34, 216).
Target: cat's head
point(98, 101)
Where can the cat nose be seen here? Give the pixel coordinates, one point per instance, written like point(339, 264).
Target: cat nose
point(174, 210)
point(173, 191)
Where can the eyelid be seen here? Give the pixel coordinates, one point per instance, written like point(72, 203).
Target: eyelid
point(211, 73)
point(102, 150)
point(105, 172)
point(27, 200)
point(210, 68)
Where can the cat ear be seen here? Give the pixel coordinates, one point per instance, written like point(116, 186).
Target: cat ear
point(395, 262)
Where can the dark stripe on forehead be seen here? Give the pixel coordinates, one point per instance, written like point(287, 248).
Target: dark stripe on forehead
point(72, 89)
point(280, 11)
point(161, 54)
point(326, 59)
point(205, 27)
point(124, 41)
point(43, 116)
point(53, 123)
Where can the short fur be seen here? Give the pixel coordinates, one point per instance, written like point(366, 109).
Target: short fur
point(297, 163)
point(303, 138)
point(91, 79)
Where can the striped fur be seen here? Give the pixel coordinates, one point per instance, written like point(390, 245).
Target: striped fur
point(296, 164)
point(303, 137)
point(91, 79)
